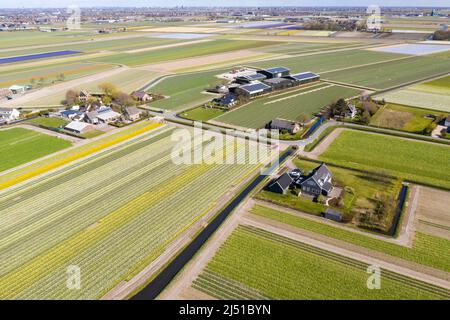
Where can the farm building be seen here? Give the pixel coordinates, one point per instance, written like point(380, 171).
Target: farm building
point(275, 72)
point(279, 83)
point(7, 114)
point(141, 96)
point(318, 182)
point(281, 185)
point(15, 89)
point(132, 113)
point(91, 117)
point(69, 114)
point(107, 115)
point(78, 127)
point(304, 77)
point(282, 124)
point(332, 215)
point(84, 96)
point(253, 89)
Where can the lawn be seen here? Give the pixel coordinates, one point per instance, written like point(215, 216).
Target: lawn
point(181, 52)
point(427, 250)
point(121, 207)
point(287, 105)
point(390, 74)
point(360, 192)
point(185, 90)
point(256, 264)
point(434, 95)
point(49, 121)
point(394, 116)
point(201, 114)
point(19, 146)
point(421, 162)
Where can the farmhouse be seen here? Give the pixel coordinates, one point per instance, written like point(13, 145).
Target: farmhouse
point(318, 182)
point(69, 114)
point(253, 89)
point(282, 124)
point(281, 185)
point(78, 127)
point(275, 72)
point(7, 114)
point(132, 113)
point(228, 100)
point(84, 96)
point(351, 111)
point(141, 96)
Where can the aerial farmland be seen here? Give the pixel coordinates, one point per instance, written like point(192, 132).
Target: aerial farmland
point(202, 153)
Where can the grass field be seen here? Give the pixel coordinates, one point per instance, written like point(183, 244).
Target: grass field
point(201, 114)
point(433, 95)
point(390, 74)
point(19, 146)
point(133, 202)
point(193, 50)
point(287, 105)
point(256, 264)
point(49, 121)
point(427, 249)
point(421, 162)
point(185, 90)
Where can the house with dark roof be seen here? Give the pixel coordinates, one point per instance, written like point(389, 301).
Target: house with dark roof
point(281, 185)
point(282, 124)
point(318, 182)
point(228, 100)
point(275, 72)
point(141, 96)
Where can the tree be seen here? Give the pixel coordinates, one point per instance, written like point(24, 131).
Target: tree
point(61, 77)
point(108, 88)
point(302, 118)
point(71, 98)
point(41, 82)
point(365, 117)
point(124, 99)
point(32, 82)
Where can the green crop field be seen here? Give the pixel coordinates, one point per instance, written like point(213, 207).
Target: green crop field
point(49, 121)
point(19, 146)
point(417, 161)
point(111, 215)
point(50, 73)
point(295, 48)
point(256, 264)
point(201, 114)
point(185, 90)
point(427, 249)
point(329, 61)
point(288, 105)
point(389, 74)
point(193, 50)
point(433, 95)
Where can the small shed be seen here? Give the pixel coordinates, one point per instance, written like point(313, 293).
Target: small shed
point(332, 215)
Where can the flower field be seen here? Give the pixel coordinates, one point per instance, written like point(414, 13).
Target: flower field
point(110, 215)
point(256, 264)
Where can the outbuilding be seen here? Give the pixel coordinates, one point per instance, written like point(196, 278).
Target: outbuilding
point(253, 89)
point(78, 127)
point(275, 72)
point(332, 215)
point(281, 185)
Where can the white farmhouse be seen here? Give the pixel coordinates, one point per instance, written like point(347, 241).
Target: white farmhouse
point(8, 114)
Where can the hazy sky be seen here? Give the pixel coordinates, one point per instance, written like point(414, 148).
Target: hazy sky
point(151, 3)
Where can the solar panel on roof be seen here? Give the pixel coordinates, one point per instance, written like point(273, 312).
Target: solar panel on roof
point(277, 69)
point(255, 87)
point(304, 76)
